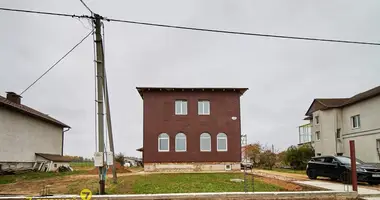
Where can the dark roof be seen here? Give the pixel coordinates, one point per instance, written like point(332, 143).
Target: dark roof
point(341, 102)
point(141, 149)
point(173, 89)
point(55, 157)
point(332, 103)
point(29, 111)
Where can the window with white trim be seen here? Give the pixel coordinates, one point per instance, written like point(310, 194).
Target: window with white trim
point(180, 142)
point(355, 121)
point(203, 107)
point(205, 142)
point(181, 107)
point(163, 142)
point(221, 142)
point(317, 135)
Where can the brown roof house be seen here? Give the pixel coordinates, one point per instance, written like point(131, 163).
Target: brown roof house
point(191, 129)
point(28, 138)
point(336, 121)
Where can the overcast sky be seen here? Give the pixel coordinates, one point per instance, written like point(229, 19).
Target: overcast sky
point(283, 76)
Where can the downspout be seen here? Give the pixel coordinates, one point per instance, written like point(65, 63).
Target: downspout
point(336, 131)
point(63, 137)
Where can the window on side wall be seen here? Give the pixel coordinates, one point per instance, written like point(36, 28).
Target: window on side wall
point(163, 142)
point(181, 107)
point(221, 142)
point(355, 121)
point(203, 107)
point(338, 133)
point(316, 119)
point(317, 135)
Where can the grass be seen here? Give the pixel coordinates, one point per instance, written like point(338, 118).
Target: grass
point(172, 183)
point(82, 165)
point(5, 179)
point(303, 172)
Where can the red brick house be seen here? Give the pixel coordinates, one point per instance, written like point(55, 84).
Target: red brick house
point(191, 128)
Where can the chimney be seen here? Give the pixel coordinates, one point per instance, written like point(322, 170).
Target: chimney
point(15, 98)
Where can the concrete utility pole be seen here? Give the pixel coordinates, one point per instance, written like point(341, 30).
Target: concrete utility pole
point(109, 126)
point(100, 84)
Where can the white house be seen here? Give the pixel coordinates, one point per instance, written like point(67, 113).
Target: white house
point(26, 135)
point(337, 121)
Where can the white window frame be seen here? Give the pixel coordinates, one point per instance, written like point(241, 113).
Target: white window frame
point(357, 121)
point(319, 135)
point(221, 136)
point(176, 137)
point(159, 140)
point(316, 120)
point(200, 142)
point(201, 103)
point(183, 104)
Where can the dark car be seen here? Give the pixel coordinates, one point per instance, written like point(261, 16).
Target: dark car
point(339, 167)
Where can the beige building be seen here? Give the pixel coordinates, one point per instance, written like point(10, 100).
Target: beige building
point(337, 121)
point(26, 134)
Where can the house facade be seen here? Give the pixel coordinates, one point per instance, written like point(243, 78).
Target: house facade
point(337, 121)
point(192, 129)
point(25, 132)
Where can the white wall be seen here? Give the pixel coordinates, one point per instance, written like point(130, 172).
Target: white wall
point(327, 126)
point(369, 131)
point(22, 136)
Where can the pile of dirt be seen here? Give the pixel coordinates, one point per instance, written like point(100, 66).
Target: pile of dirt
point(119, 169)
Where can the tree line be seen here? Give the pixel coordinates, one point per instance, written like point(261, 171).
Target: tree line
point(295, 157)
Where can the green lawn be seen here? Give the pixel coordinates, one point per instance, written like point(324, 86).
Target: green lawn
point(303, 172)
point(5, 179)
point(173, 183)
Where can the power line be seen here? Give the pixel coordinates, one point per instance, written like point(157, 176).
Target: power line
point(45, 13)
point(57, 62)
point(201, 29)
point(244, 33)
point(86, 6)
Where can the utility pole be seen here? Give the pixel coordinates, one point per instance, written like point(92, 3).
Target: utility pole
point(100, 84)
point(109, 126)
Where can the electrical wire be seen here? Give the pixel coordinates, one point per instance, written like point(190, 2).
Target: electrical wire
point(243, 33)
point(199, 29)
point(55, 64)
point(45, 13)
point(86, 6)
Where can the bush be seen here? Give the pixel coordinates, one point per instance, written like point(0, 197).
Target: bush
point(120, 158)
point(297, 157)
point(267, 159)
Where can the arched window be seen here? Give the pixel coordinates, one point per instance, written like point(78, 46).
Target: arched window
point(205, 142)
point(180, 142)
point(163, 142)
point(221, 142)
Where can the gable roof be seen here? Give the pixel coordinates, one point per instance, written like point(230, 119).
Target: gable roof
point(141, 90)
point(54, 157)
point(30, 112)
point(323, 104)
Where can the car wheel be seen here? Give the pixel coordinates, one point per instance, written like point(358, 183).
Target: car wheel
point(373, 183)
point(312, 174)
point(345, 178)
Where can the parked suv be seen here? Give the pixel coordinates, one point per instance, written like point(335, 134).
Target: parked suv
point(339, 167)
